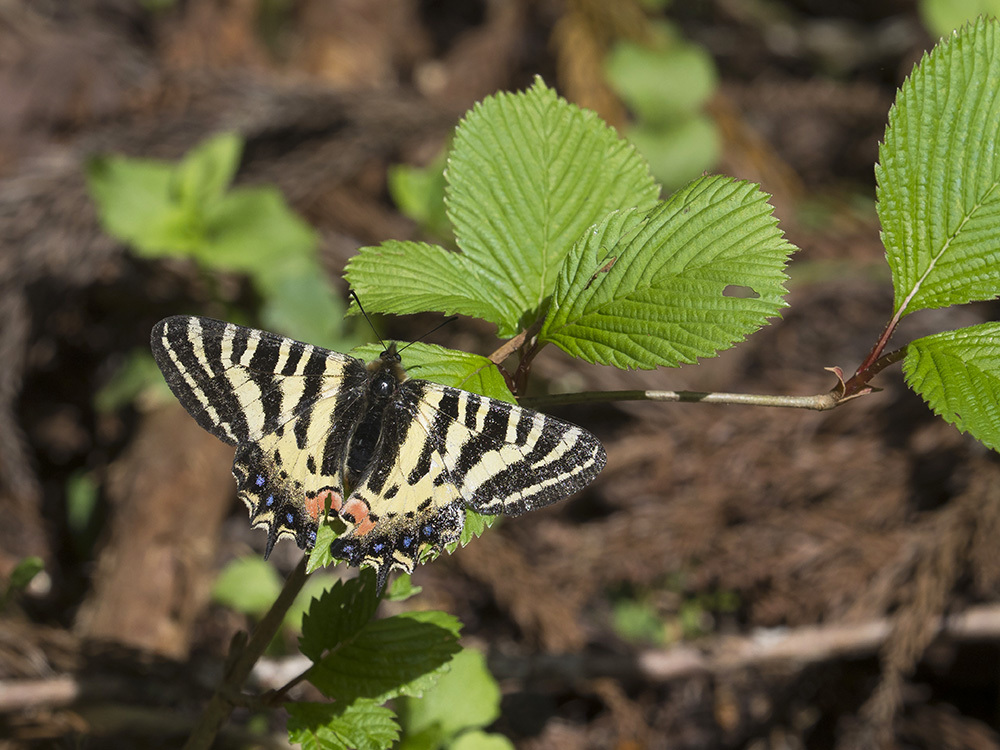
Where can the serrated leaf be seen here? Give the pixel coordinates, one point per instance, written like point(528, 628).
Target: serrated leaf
point(528, 173)
point(248, 585)
point(313, 588)
point(465, 697)
point(361, 725)
point(470, 372)
point(410, 277)
point(958, 374)
point(667, 288)
point(939, 175)
point(399, 655)
point(338, 615)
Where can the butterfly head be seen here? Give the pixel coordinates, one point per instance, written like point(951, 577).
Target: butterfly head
point(386, 372)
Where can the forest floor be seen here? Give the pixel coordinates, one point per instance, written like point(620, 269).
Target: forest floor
point(737, 577)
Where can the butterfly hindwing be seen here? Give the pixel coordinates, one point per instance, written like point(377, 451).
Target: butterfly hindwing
point(444, 450)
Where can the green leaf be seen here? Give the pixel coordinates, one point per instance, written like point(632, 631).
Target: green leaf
point(664, 83)
point(361, 725)
point(478, 740)
point(939, 175)
point(419, 193)
point(410, 277)
point(470, 372)
point(314, 588)
point(135, 204)
point(81, 502)
point(205, 172)
point(527, 175)
point(399, 655)
point(338, 615)
point(942, 16)
point(138, 379)
point(306, 307)
point(25, 570)
point(958, 374)
point(679, 153)
point(253, 230)
point(248, 585)
point(319, 556)
point(696, 274)
point(401, 589)
point(465, 697)
point(475, 525)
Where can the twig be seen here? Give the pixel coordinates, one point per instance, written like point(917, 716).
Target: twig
point(219, 708)
point(802, 646)
point(820, 402)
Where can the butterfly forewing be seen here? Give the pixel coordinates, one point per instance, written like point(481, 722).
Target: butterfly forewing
point(293, 410)
point(276, 399)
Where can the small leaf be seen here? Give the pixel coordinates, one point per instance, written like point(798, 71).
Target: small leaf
point(135, 204)
point(958, 374)
point(399, 655)
point(465, 697)
point(25, 570)
point(205, 172)
point(410, 277)
point(943, 16)
point(527, 175)
point(939, 175)
point(665, 83)
point(319, 556)
point(678, 153)
point(478, 740)
point(657, 289)
point(419, 193)
point(247, 585)
point(470, 372)
point(338, 615)
point(305, 306)
point(361, 725)
point(401, 589)
point(253, 230)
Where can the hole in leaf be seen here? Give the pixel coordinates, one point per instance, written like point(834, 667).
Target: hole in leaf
point(741, 292)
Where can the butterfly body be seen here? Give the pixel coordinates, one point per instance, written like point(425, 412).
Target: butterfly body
point(398, 460)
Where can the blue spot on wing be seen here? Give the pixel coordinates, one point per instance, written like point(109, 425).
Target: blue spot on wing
point(259, 481)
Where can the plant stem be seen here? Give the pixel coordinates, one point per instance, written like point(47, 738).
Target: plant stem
point(820, 402)
point(221, 705)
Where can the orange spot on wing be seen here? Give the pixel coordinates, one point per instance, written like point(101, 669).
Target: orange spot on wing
point(357, 510)
point(316, 504)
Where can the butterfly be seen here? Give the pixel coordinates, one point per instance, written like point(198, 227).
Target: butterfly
point(398, 460)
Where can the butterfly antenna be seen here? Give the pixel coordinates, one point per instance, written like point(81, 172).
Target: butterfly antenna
point(369, 320)
point(442, 324)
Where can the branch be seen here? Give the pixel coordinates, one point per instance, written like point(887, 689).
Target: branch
point(770, 646)
point(820, 402)
point(242, 661)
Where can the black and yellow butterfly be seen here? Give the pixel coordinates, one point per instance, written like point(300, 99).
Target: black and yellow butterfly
point(398, 460)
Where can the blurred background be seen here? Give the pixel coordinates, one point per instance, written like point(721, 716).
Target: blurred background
point(635, 615)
